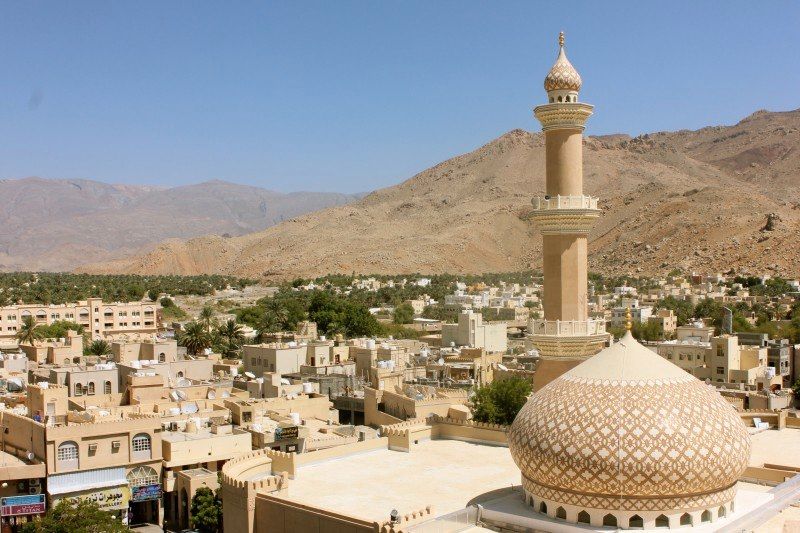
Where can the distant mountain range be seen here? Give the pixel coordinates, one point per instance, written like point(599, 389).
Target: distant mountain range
point(54, 224)
point(697, 200)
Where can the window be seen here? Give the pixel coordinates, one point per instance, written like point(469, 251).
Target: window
point(636, 521)
point(662, 521)
point(720, 370)
point(721, 512)
point(142, 475)
point(584, 518)
point(67, 455)
point(107, 387)
point(686, 519)
point(610, 520)
point(561, 513)
point(78, 388)
point(162, 357)
point(141, 445)
point(180, 374)
point(90, 388)
point(543, 508)
point(706, 516)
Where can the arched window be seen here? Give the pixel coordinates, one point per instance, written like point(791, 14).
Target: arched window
point(162, 357)
point(67, 361)
point(552, 99)
point(561, 513)
point(662, 521)
point(543, 508)
point(721, 512)
point(584, 518)
point(636, 522)
point(560, 99)
point(141, 447)
point(78, 389)
point(67, 455)
point(180, 374)
point(610, 520)
point(142, 475)
point(107, 387)
point(90, 389)
point(706, 516)
point(686, 519)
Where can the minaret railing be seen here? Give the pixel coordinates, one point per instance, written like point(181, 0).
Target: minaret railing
point(578, 201)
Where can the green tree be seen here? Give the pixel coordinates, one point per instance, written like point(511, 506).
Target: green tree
point(75, 517)
point(58, 329)
point(230, 333)
point(403, 314)
point(206, 317)
point(195, 337)
point(98, 347)
point(500, 401)
point(206, 511)
point(682, 308)
point(28, 332)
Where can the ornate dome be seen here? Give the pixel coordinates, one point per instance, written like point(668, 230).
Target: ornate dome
point(563, 75)
point(628, 430)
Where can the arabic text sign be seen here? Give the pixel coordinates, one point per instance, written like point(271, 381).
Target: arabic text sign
point(22, 505)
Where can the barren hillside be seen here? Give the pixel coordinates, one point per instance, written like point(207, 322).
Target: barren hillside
point(696, 200)
point(60, 224)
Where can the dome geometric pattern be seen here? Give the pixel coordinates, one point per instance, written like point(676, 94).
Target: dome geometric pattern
point(610, 432)
point(563, 75)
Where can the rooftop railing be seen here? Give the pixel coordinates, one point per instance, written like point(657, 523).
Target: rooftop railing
point(568, 328)
point(565, 202)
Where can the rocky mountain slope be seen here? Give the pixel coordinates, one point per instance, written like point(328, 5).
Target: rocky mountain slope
point(691, 199)
point(60, 224)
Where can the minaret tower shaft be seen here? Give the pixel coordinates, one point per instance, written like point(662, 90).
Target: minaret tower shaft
point(566, 335)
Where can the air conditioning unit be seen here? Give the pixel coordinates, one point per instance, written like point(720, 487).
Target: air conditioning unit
point(34, 482)
point(173, 426)
point(115, 445)
point(93, 447)
point(35, 490)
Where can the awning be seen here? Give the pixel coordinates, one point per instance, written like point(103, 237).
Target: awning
point(86, 480)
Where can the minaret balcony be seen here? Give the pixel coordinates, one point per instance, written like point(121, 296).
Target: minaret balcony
point(567, 328)
point(567, 339)
point(565, 214)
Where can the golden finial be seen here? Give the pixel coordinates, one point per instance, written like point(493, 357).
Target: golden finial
point(561, 39)
point(628, 321)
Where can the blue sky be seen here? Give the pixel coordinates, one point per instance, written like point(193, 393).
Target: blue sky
point(353, 96)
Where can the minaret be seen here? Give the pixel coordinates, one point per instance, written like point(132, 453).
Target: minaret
point(566, 335)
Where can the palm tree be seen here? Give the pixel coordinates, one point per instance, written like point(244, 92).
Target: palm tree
point(206, 317)
point(195, 337)
point(98, 347)
point(27, 332)
point(231, 332)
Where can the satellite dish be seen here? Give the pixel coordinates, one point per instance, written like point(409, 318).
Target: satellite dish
point(226, 394)
point(30, 456)
point(441, 361)
point(181, 394)
point(250, 375)
point(211, 395)
point(502, 367)
point(189, 408)
point(174, 396)
point(183, 382)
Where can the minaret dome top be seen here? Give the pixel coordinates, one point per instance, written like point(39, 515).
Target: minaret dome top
point(563, 79)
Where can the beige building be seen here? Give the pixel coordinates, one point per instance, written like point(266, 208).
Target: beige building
point(99, 319)
point(472, 332)
point(666, 319)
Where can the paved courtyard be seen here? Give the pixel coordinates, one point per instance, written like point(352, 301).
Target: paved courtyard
point(444, 473)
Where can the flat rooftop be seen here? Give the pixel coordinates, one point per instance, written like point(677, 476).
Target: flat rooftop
point(776, 447)
point(446, 474)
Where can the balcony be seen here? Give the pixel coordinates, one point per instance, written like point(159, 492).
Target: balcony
point(564, 202)
point(572, 214)
point(568, 328)
point(568, 339)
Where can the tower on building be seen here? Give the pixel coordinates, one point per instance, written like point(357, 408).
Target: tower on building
point(565, 336)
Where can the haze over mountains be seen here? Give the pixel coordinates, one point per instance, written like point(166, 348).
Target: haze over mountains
point(49, 224)
point(696, 200)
